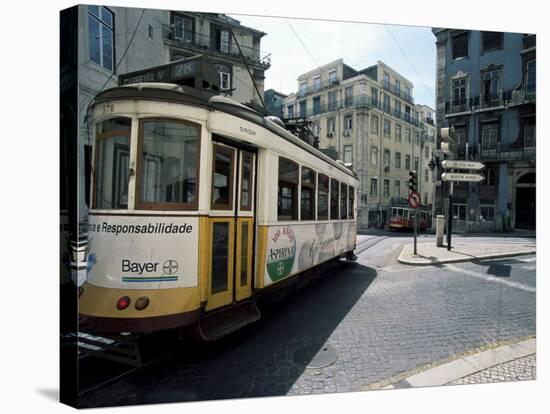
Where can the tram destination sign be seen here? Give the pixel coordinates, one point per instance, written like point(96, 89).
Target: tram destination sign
point(472, 178)
point(462, 165)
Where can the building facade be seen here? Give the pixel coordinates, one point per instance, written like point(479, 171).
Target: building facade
point(117, 40)
point(369, 118)
point(486, 90)
point(274, 102)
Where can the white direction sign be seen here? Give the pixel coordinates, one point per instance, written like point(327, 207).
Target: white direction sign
point(475, 178)
point(464, 165)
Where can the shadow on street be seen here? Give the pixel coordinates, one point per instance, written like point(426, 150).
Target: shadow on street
point(257, 361)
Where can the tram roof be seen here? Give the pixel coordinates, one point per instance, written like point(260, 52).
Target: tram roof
point(169, 92)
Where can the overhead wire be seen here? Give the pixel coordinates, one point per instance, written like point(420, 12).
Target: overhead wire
point(410, 62)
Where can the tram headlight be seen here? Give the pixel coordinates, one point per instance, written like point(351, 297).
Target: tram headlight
point(142, 303)
point(123, 303)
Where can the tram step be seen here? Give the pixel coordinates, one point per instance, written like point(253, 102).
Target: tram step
point(123, 348)
point(228, 320)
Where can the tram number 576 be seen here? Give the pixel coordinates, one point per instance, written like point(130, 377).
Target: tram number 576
point(108, 109)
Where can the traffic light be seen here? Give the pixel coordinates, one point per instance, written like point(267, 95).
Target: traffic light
point(413, 181)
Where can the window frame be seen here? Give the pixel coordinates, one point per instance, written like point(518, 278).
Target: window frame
point(453, 37)
point(296, 197)
point(375, 192)
point(104, 136)
point(343, 198)
point(351, 202)
point(231, 184)
point(336, 197)
point(311, 186)
point(322, 189)
point(145, 205)
point(532, 72)
point(348, 149)
point(386, 187)
point(113, 40)
point(490, 49)
point(245, 155)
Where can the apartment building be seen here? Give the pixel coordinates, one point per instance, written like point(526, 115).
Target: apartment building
point(116, 40)
point(369, 118)
point(486, 90)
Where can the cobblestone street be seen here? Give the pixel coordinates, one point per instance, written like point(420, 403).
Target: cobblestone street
point(380, 318)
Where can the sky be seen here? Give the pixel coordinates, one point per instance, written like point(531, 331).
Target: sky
point(410, 50)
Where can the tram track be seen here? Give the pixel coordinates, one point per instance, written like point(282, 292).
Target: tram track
point(367, 244)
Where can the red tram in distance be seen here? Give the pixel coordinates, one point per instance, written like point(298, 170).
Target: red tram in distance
point(402, 218)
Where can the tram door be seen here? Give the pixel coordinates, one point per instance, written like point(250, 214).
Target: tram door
point(231, 225)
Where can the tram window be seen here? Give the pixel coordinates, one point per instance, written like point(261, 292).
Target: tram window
point(351, 201)
point(287, 202)
point(222, 179)
point(246, 182)
point(322, 197)
point(308, 194)
point(168, 164)
point(334, 186)
point(343, 201)
point(111, 164)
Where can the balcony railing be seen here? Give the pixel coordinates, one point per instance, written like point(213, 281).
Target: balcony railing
point(493, 100)
point(515, 152)
point(392, 87)
point(490, 101)
point(349, 102)
point(317, 87)
point(201, 43)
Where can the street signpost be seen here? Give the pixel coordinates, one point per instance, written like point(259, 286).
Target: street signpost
point(472, 178)
point(452, 177)
point(462, 165)
point(414, 202)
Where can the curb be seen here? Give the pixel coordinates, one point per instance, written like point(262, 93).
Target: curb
point(461, 367)
point(460, 260)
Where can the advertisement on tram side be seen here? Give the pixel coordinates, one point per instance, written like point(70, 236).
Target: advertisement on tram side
point(295, 248)
point(141, 253)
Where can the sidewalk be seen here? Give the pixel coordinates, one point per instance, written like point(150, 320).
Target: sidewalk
point(461, 251)
point(512, 362)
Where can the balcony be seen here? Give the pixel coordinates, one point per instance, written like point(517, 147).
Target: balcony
point(392, 88)
point(200, 43)
point(458, 106)
point(493, 100)
point(500, 152)
point(523, 96)
point(355, 102)
point(321, 86)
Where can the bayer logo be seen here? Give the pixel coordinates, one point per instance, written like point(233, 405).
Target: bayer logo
point(170, 267)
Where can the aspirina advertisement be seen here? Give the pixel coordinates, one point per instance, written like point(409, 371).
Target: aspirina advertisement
point(130, 252)
point(294, 248)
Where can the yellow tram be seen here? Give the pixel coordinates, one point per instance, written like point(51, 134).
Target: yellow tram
point(199, 205)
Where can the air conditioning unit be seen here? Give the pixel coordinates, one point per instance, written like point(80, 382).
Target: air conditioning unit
point(329, 135)
point(346, 133)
